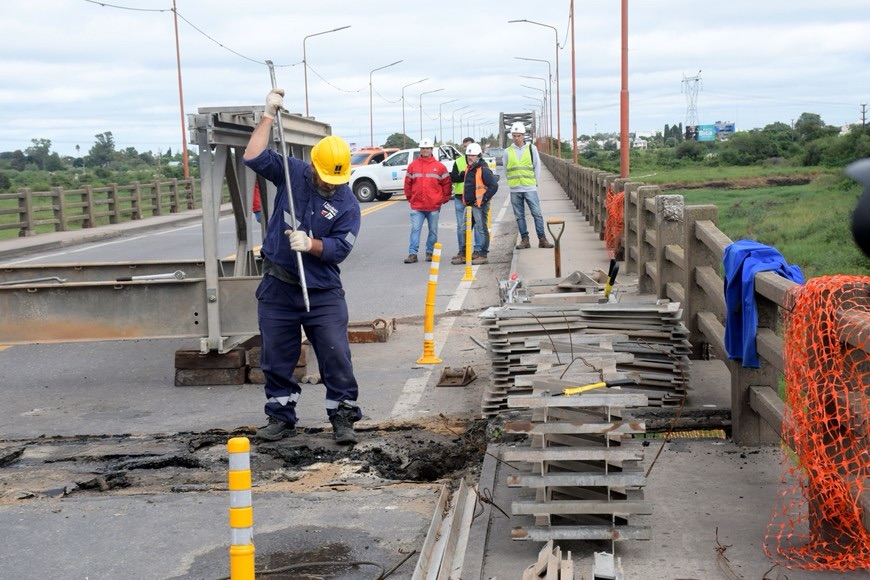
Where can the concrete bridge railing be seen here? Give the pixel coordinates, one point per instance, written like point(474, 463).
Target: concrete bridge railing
point(59, 210)
point(677, 252)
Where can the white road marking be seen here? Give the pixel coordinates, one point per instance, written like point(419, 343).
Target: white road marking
point(412, 392)
point(112, 242)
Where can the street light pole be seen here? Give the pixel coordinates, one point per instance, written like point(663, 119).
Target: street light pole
point(421, 108)
point(543, 107)
point(184, 160)
point(558, 104)
point(543, 121)
point(624, 157)
point(452, 124)
point(472, 124)
point(404, 133)
point(440, 124)
point(550, 106)
point(305, 60)
point(371, 118)
point(573, 90)
point(460, 120)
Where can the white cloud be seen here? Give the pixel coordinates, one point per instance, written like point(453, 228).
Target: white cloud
point(73, 69)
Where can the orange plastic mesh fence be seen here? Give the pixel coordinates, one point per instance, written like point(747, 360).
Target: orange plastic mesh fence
point(614, 224)
point(818, 520)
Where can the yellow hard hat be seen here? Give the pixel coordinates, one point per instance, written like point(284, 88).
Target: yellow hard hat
point(331, 158)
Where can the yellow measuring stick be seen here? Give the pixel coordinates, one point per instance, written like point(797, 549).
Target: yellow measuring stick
point(577, 390)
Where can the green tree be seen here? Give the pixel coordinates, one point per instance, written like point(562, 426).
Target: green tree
point(399, 140)
point(18, 162)
point(38, 152)
point(810, 127)
point(54, 163)
point(103, 151)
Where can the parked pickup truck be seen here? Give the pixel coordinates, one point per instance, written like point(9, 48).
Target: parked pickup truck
point(381, 180)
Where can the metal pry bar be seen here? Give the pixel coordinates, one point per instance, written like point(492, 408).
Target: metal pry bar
point(292, 223)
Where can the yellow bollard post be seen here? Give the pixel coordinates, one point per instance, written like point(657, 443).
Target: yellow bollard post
point(429, 357)
point(241, 510)
point(469, 243)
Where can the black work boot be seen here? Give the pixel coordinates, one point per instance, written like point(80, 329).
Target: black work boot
point(276, 430)
point(342, 424)
point(524, 243)
point(543, 242)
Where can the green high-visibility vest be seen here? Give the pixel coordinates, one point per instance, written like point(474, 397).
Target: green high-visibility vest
point(461, 164)
point(520, 170)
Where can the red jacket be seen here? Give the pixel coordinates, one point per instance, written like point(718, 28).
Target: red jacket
point(427, 184)
point(256, 203)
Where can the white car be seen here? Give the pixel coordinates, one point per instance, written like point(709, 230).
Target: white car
point(381, 180)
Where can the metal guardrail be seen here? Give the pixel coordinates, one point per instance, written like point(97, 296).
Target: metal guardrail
point(62, 210)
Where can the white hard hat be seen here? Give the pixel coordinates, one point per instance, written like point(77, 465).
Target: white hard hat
point(518, 128)
point(425, 143)
point(472, 149)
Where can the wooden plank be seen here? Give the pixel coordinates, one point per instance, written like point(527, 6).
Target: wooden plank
point(202, 377)
point(194, 359)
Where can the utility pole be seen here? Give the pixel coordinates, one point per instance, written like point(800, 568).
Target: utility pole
point(863, 116)
point(690, 87)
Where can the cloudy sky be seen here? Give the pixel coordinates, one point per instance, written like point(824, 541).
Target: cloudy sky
point(74, 68)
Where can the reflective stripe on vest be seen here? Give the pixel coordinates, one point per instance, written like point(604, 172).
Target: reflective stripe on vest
point(432, 175)
point(520, 171)
point(458, 187)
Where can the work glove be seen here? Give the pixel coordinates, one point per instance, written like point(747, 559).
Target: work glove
point(274, 103)
point(299, 242)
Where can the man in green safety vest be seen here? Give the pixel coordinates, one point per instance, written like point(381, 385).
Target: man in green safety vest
point(523, 167)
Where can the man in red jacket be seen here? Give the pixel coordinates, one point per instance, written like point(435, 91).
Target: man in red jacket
point(427, 187)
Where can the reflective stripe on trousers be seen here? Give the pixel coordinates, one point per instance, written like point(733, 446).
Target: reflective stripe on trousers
point(281, 315)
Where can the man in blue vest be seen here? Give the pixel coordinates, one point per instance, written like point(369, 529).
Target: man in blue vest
point(523, 167)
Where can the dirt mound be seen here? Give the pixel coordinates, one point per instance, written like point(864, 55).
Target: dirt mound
point(743, 183)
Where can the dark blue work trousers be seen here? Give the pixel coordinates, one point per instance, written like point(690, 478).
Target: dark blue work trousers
point(282, 316)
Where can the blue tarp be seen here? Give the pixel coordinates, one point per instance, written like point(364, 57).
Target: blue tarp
point(743, 259)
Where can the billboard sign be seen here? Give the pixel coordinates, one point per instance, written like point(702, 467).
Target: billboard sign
point(706, 132)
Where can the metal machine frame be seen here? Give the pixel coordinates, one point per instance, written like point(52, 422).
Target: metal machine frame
point(212, 300)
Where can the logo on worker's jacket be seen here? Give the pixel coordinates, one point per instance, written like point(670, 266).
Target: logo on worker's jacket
point(337, 170)
point(328, 211)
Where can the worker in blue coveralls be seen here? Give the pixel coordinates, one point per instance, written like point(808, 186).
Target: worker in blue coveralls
point(328, 221)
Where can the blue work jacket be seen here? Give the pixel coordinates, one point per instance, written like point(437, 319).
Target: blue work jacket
point(335, 221)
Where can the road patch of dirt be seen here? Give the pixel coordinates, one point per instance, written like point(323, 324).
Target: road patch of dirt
point(435, 449)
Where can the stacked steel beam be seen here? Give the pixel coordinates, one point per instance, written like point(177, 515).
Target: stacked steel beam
point(643, 340)
point(581, 482)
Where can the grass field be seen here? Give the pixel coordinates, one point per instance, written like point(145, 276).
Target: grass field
point(809, 223)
